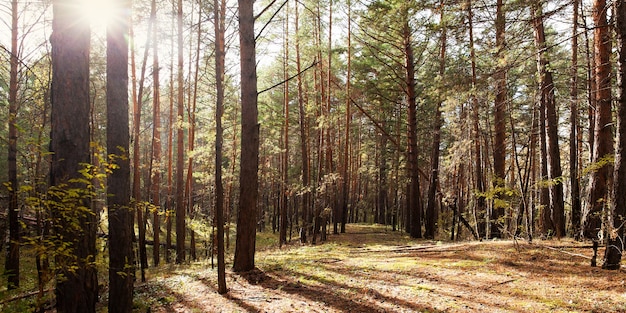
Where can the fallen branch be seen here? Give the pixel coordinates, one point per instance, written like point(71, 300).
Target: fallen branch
point(22, 296)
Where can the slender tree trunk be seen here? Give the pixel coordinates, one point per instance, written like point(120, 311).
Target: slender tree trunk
point(180, 147)
point(414, 204)
point(78, 290)
point(479, 182)
point(574, 132)
point(304, 140)
point(170, 150)
point(247, 216)
point(499, 120)
point(615, 244)
point(156, 146)
point(548, 103)
point(219, 24)
point(192, 136)
point(431, 209)
point(603, 143)
point(284, 199)
point(121, 267)
point(345, 190)
point(12, 262)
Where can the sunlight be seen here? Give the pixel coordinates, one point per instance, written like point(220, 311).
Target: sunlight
point(98, 12)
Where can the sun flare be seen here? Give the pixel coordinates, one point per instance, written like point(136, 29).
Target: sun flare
point(98, 12)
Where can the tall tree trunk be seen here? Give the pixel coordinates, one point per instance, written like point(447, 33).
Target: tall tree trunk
point(191, 113)
point(284, 199)
point(156, 146)
point(180, 147)
point(431, 209)
point(137, 107)
point(219, 23)
point(170, 149)
point(615, 244)
point(69, 146)
point(574, 132)
point(121, 267)
point(12, 261)
point(603, 143)
point(247, 215)
point(345, 190)
point(479, 182)
point(499, 120)
point(414, 202)
point(304, 140)
point(548, 103)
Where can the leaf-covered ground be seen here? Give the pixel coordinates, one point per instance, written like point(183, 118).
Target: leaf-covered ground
point(371, 269)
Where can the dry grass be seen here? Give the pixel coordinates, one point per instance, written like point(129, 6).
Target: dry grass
point(369, 269)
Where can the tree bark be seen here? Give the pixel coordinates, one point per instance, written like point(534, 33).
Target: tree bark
point(499, 120)
point(479, 182)
point(247, 215)
point(12, 261)
point(546, 84)
point(180, 151)
point(75, 222)
point(574, 132)
point(431, 209)
point(603, 142)
point(414, 203)
point(220, 14)
point(156, 146)
point(121, 265)
point(615, 244)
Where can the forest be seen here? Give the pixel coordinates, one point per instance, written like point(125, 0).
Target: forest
point(312, 155)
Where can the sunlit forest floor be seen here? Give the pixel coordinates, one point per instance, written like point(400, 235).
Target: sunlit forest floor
point(372, 269)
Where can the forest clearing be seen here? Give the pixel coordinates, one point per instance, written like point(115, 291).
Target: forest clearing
point(138, 136)
point(372, 269)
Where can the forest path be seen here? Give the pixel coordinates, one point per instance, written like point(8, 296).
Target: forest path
point(371, 269)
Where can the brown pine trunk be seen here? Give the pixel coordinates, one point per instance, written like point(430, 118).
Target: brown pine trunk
point(12, 262)
point(345, 189)
point(304, 140)
point(247, 217)
point(556, 208)
point(414, 203)
point(180, 145)
point(189, 199)
point(219, 24)
point(156, 147)
point(479, 182)
point(499, 120)
point(615, 244)
point(69, 146)
point(170, 151)
point(603, 142)
point(431, 208)
point(574, 131)
point(284, 199)
point(121, 267)
point(137, 107)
